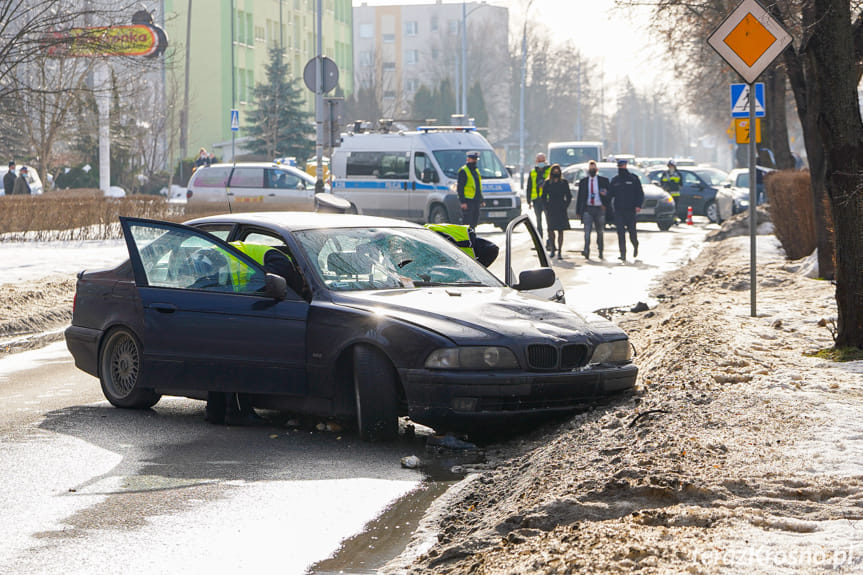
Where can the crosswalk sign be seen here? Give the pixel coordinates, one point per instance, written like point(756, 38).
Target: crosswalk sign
point(740, 100)
point(235, 120)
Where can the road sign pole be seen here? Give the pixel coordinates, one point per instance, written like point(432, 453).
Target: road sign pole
point(753, 194)
point(319, 105)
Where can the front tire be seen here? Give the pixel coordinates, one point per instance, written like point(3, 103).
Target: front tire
point(711, 210)
point(438, 215)
point(120, 372)
point(375, 389)
point(665, 225)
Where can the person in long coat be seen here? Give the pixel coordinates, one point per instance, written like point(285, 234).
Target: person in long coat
point(557, 197)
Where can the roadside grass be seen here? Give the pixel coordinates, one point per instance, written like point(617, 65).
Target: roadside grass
point(838, 353)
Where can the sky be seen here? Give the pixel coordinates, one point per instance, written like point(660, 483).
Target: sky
point(617, 40)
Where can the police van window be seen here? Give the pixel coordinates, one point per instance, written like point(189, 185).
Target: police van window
point(383, 165)
point(247, 178)
point(421, 164)
point(212, 177)
point(489, 165)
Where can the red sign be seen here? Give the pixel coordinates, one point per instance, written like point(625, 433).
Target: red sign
point(133, 40)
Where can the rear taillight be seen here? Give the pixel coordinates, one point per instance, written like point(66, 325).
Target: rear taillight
point(189, 194)
point(74, 301)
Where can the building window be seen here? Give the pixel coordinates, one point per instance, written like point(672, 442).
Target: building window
point(388, 66)
point(435, 53)
point(367, 30)
point(389, 94)
point(434, 24)
point(411, 85)
point(452, 27)
point(389, 38)
point(367, 58)
point(411, 28)
point(412, 56)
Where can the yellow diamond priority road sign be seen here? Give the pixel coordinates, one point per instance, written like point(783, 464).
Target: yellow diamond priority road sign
point(749, 39)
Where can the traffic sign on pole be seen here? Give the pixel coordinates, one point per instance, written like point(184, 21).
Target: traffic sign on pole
point(235, 120)
point(740, 100)
point(749, 39)
point(742, 130)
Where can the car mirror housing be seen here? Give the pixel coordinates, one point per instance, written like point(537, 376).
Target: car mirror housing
point(535, 279)
point(276, 287)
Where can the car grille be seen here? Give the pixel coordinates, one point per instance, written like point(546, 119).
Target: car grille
point(649, 204)
point(498, 202)
point(545, 357)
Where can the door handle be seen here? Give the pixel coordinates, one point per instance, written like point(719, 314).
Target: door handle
point(164, 307)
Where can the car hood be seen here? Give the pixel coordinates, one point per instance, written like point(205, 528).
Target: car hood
point(473, 314)
point(654, 192)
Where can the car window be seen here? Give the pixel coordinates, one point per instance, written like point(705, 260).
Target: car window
point(712, 177)
point(352, 259)
point(212, 177)
point(247, 178)
point(489, 165)
point(285, 180)
point(182, 259)
point(742, 180)
point(690, 178)
point(422, 163)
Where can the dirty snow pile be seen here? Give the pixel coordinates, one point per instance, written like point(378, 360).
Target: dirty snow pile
point(736, 453)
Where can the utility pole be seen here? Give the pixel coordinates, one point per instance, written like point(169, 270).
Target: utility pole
point(184, 114)
point(319, 103)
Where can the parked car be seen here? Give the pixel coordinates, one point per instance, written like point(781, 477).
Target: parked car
point(36, 186)
point(392, 320)
point(658, 205)
point(699, 185)
point(251, 186)
point(739, 178)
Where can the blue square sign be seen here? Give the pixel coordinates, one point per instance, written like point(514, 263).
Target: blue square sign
point(235, 120)
point(740, 100)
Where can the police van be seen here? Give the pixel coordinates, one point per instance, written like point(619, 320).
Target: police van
point(413, 175)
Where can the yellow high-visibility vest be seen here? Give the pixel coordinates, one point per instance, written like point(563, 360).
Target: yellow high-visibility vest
point(458, 233)
point(470, 185)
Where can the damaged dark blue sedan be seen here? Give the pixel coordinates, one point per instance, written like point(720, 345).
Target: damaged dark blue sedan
point(379, 319)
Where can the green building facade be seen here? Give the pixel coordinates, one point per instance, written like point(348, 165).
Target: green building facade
point(257, 25)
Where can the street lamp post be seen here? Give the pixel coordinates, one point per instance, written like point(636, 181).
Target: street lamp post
point(521, 99)
point(464, 59)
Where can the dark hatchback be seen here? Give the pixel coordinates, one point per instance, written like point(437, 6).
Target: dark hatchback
point(389, 319)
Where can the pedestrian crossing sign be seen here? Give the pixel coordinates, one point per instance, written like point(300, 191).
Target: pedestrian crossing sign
point(740, 100)
point(235, 120)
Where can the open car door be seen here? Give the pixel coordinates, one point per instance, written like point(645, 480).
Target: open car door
point(531, 274)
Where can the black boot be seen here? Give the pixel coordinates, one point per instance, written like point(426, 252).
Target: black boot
point(240, 412)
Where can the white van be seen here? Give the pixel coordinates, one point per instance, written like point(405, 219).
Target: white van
point(253, 186)
point(413, 175)
point(569, 153)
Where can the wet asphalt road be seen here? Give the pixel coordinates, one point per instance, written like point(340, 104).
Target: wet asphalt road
point(90, 488)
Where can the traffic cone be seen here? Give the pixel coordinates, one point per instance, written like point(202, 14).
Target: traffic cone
point(689, 216)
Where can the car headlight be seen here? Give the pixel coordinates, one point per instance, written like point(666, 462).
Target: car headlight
point(472, 358)
point(612, 352)
point(453, 187)
point(669, 200)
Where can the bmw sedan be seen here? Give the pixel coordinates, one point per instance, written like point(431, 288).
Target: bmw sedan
point(379, 319)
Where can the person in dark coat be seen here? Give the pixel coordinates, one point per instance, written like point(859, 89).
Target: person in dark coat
point(626, 195)
point(22, 183)
point(557, 197)
point(590, 207)
point(9, 180)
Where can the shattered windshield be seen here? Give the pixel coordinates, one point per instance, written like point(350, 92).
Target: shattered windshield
point(353, 259)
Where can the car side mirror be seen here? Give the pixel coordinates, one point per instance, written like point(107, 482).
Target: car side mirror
point(275, 287)
point(429, 176)
point(529, 280)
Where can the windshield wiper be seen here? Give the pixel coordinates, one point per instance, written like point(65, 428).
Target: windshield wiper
point(459, 284)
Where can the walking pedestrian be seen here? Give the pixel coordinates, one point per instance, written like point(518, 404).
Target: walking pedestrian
point(469, 190)
point(22, 182)
point(9, 180)
point(557, 198)
point(590, 207)
point(626, 195)
point(538, 176)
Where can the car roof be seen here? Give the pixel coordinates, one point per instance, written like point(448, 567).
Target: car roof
point(296, 221)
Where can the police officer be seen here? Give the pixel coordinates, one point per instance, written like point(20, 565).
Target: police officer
point(627, 195)
point(9, 180)
point(671, 181)
point(538, 175)
point(481, 249)
point(469, 190)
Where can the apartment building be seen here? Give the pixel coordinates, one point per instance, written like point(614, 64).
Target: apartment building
point(398, 48)
point(223, 69)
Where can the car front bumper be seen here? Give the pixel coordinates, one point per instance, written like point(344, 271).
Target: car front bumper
point(466, 400)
